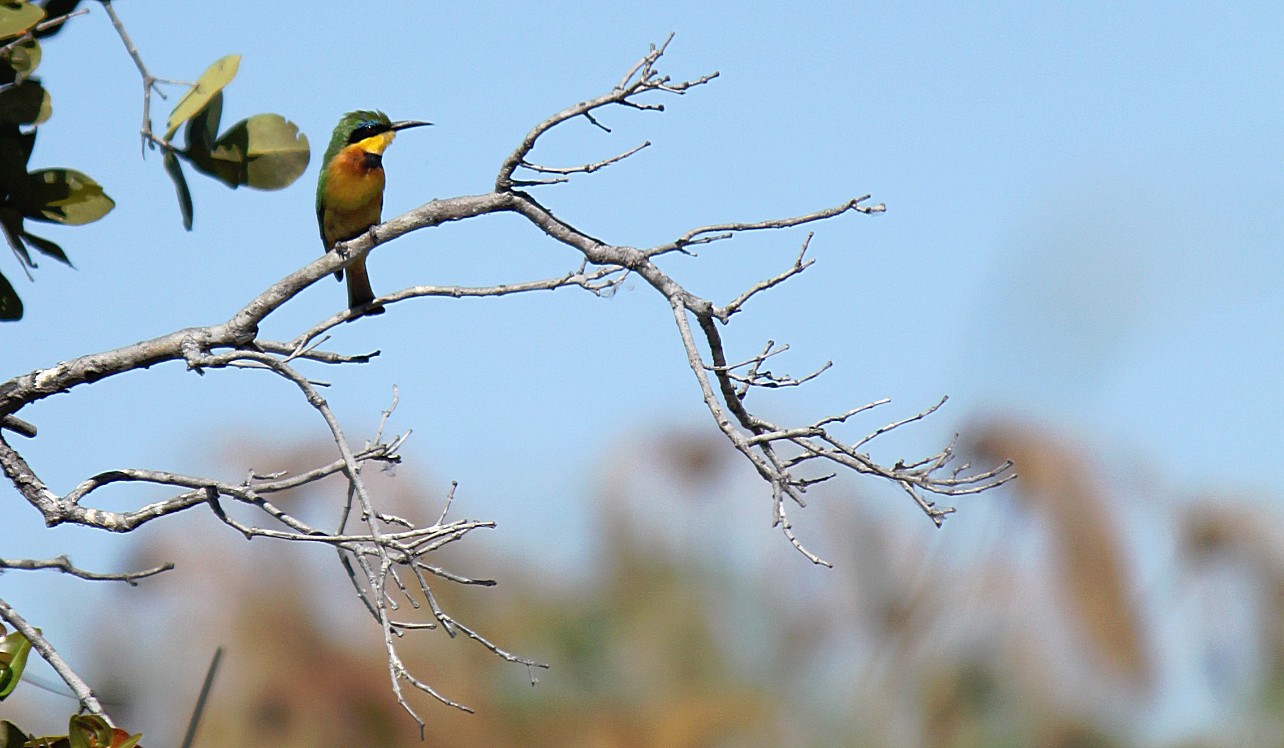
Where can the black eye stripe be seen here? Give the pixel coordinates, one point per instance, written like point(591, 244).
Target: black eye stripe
point(365, 131)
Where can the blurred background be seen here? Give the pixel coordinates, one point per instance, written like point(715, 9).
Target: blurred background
point(1081, 248)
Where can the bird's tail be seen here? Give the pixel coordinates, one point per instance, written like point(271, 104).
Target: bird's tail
point(360, 295)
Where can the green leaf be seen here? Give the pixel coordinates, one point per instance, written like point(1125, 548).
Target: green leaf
point(89, 731)
point(21, 60)
point(65, 196)
point(26, 103)
point(266, 152)
point(83, 732)
point(92, 731)
point(11, 224)
point(202, 128)
point(17, 16)
point(15, 151)
point(12, 736)
point(47, 247)
point(175, 171)
point(14, 649)
point(212, 81)
point(10, 304)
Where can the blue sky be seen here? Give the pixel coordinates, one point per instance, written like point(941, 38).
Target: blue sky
point(1083, 228)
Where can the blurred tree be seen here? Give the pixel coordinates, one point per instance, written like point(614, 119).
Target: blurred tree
point(658, 642)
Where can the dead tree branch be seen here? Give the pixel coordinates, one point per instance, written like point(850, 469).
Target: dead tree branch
point(84, 694)
point(381, 553)
point(63, 564)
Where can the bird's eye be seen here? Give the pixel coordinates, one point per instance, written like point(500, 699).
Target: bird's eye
point(363, 132)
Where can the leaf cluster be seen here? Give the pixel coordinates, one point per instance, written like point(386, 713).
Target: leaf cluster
point(265, 151)
point(14, 650)
point(58, 195)
point(84, 731)
point(88, 731)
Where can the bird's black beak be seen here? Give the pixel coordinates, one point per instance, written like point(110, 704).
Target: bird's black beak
point(406, 124)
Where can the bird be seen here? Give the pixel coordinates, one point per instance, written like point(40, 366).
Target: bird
point(350, 191)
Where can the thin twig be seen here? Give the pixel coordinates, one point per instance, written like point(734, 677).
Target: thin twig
point(44, 25)
point(150, 82)
point(586, 168)
point(63, 564)
point(84, 694)
point(208, 685)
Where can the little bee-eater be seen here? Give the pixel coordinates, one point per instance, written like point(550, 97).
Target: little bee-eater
point(350, 191)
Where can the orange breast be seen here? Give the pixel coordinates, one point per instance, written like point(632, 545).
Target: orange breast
point(353, 194)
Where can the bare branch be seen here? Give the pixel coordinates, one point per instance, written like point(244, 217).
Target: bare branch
point(388, 548)
point(718, 231)
point(586, 168)
point(84, 694)
point(150, 82)
point(756, 376)
point(18, 426)
point(723, 314)
point(897, 424)
point(641, 78)
point(490, 645)
point(63, 564)
point(600, 282)
point(311, 353)
point(242, 328)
